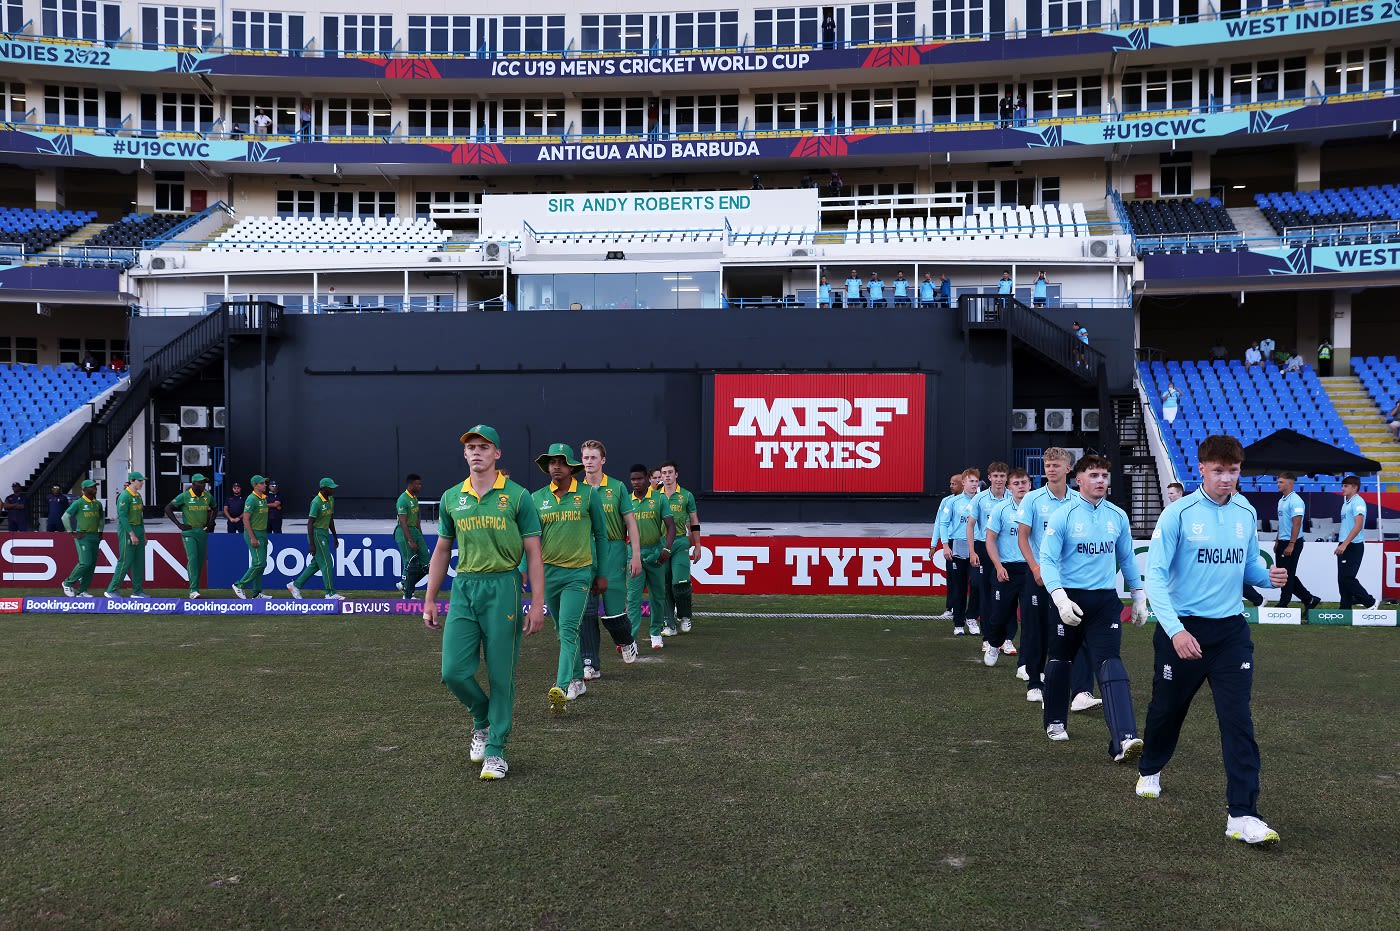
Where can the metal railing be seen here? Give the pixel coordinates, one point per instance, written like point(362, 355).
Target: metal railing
point(1047, 337)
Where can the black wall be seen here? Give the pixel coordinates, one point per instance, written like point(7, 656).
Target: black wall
point(367, 398)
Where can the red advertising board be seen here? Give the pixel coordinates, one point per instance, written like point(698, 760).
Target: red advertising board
point(834, 433)
point(818, 566)
point(1390, 571)
point(42, 560)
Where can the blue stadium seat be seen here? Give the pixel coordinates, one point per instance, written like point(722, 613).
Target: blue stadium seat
point(35, 398)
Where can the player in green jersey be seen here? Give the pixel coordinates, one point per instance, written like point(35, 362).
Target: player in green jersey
point(131, 535)
point(196, 520)
point(408, 534)
point(682, 505)
point(573, 529)
point(255, 514)
point(656, 533)
point(84, 519)
point(321, 540)
point(615, 563)
point(493, 522)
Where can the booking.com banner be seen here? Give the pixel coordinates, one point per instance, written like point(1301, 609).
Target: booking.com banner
point(853, 434)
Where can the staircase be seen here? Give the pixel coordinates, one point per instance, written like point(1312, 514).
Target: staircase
point(1144, 492)
point(79, 237)
point(1252, 223)
point(1366, 423)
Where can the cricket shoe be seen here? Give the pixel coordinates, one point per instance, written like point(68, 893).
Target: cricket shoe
point(494, 768)
point(1057, 731)
point(110, 595)
point(196, 595)
point(335, 596)
point(974, 628)
point(668, 631)
point(477, 753)
point(558, 701)
point(1130, 749)
point(1022, 674)
point(140, 596)
point(589, 674)
point(87, 595)
point(576, 688)
point(261, 596)
point(1149, 786)
point(1034, 695)
point(296, 592)
point(68, 590)
point(239, 592)
point(990, 654)
point(656, 642)
point(685, 625)
point(1250, 829)
point(1084, 701)
point(629, 653)
point(945, 616)
point(959, 632)
point(1008, 648)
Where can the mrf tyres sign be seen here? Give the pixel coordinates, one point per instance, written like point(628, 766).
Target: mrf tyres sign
point(832, 433)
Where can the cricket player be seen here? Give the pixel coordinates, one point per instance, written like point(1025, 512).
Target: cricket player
point(1351, 545)
point(1087, 543)
point(983, 579)
point(940, 533)
point(196, 520)
point(1205, 547)
point(131, 535)
point(1007, 569)
point(492, 521)
point(682, 505)
point(84, 519)
point(656, 533)
point(408, 534)
point(572, 530)
point(619, 560)
point(955, 555)
point(255, 519)
point(1288, 547)
point(321, 542)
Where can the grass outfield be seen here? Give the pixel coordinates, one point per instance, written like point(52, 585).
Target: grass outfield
point(312, 773)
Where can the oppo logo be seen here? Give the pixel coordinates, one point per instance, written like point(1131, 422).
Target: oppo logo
point(1279, 615)
point(1330, 616)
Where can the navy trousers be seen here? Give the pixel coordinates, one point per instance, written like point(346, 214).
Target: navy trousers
point(1100, 631)
point(1016, 592)
point(1348, 564)
point(984, 579)
point(957, 589)
point(1227, 662)
point(1037, 627)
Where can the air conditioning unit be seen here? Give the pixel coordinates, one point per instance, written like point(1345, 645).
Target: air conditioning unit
point(1022, 420)
point(1059, 419)
point(169, 432)
point(195, 418)
point(806, 252)
point(218, 419)
point(194, 455)
point(1089, 420)
point(495, 251)
point(1101, 248)
point(167, 260)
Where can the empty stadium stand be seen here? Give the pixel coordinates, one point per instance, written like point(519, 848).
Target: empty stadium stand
point(1249, 403)
point(1334, 215)
point(132, 231)
point(35, 397)
point(1040, 221)
point(1181, 224)
point(331, 234)
point(38, 230)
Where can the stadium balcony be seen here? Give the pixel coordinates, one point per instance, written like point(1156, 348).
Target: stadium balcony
point(24, 230)
point(337, 235)
point(1040, 221)
point(1179, 225)
point(1248, 403)
point(35, 397)
point(1334, 216)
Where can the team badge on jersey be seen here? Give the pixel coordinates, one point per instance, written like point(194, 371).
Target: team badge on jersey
point(578, 501)
point(1198, 528)
point(1239, 530)
point(465, 501)
point(503, 503)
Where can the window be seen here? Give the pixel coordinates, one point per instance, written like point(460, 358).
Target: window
point(72, 349)
point(14, 101)
point(268, 31)
point(353, 32)
point(356, 116)
point(787, 110)
point(958, 18)
point(532, 34)
point(424, 201)
point(1146, 11)
point(12, 16)
point(707, 29)
point(1050, 190)
point(296, 203)
point(613, 115)
point(282, 111)
point(880, 22)
point(82, 106)
point(170, 192)
point(440, 35)
point(883, 106)
point(171, 111)
point(787, 26)
point(439, 117)
point(613, 32)
point(532, 116)
point(178, 26)
point(965, 103)
point(23, 350)
point(1262, 81)
point(1072, 14)
point(355, 203)
point(886, 189)
point(1159, 89)
point(72, 19)
point(1176, 174)
point(1355, 71)
point(1067, 96)
point(707, 113)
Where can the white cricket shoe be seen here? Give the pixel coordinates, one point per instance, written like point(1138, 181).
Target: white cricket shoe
point(107, 594)
point(196, 595)
point(1057, 732)
point(477, 753)
point(1250, 829)
point(494, 768)
point(589, 674)
point(629, 653)
point(558, 701)
point(296, 592)
point(1149, 786)
point(1084, 701)
point(1130, 749)
point(263, 596)
point(1008, 648)
point(990, 655)
point(87, 595)
point(668, 631)
point(1034, 695)
point(1022, 674)
point(576, 688)
point(140, 596)
point(685, 625)
point(945, 616)
point(973, 627)
point(239, 592)
point(657, 643)
point(335, 596)
point(68, 590)
point(959, 632)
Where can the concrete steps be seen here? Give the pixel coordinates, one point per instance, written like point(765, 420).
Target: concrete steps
point(1366, 423)
point(1251, 222)
point(81, 236)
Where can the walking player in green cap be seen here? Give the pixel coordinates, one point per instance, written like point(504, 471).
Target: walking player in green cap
point(682, 505)
point(656, 532)
point(408, 534)
point(492, 522)
point(573, 529)
point(255, 513)
point(196, 519)
point(613, 562)
point(84, 519)
point(131, 535)
point(321, 540)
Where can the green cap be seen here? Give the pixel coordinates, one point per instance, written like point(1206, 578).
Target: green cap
point(257, 479)
point(488, 434)
point(327, 483)
point(558, 449)
point(134, 476)
point(198, 477)
point(89, 484)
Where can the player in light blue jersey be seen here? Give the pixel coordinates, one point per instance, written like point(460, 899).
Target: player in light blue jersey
point(1010, 588)
point(853, 285)
point(875, 289)
point(983, 575)
point(1088, 542)
point(1288, 548)
point(1351, 546)
point(955, 556)
point(1204, 548)
point(941, 523)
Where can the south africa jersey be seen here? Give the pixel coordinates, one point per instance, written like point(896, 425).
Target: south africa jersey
point(85, 515)
point(194, 509)
point(617, 502)
point(407, 508)
point(650, 511)
point(322, 511)
point(568, 524)
point(489, 529)
point(255, 513)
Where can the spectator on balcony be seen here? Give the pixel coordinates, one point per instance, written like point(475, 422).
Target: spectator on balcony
point(262, 122)
point(1252, 356)
point(1294, 365)
point(1006, 110)
point(875, 290)
point(1005, 289)
point(828, 31)
point(58, 503)
point(757, 181)
point(1020, 110)
point(305, 116)
point(1039, 289)
point(1266, 349)
point(1171, 402)
point(118, 364)
point(927, 290)
point(17, 509)
point(1219, 352)
point(824, 293)
point(1081, 333)
point(945, 291)
point(89, 364)
point(835, 186)
point(900, 286)
point(853, 284)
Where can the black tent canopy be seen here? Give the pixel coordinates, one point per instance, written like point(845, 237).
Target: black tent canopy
point(1290, 451)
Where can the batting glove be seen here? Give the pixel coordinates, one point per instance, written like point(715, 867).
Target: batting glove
point(1139, 607)
point(1070, 612)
